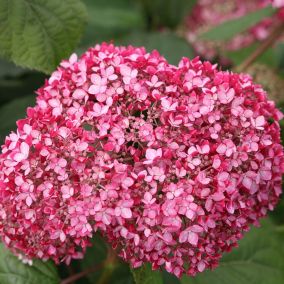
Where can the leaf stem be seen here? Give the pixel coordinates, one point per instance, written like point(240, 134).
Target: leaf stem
point(274, 36)
point(107, 266)
point(82, 274)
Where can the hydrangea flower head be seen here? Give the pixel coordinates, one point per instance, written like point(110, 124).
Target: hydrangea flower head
point(171, 164)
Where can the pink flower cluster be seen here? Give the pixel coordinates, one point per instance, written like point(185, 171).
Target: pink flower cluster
point(277, 3)
point(209, 13)
point(171, 164)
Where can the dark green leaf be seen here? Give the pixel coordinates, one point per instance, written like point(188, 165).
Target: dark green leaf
point(13, 271)
point(8, 69)
point(280, 57)
point(277, 215)
point(17, 82)
point(145, 275)
point(169, 278)
point(11, 112)
point(117, 272)
point(229, 29)
point(166, 13)
point(37, 33)
point(172, 47)
point(109, 20)
point(238, 56)
point(258, 260)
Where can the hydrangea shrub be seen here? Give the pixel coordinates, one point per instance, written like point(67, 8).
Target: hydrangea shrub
point(172, 164)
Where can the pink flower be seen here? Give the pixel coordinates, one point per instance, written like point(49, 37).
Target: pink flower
point(146, 132)
point(99, 110)
point(79, 94)
point(154, 83)
point(226, 95)
point(23, 153)
point(67, 192)
point(123, 209)
point(109, 73)
point(167, 105)
point(56, 105)
point(162, 160)
point(190, 235)
point(99, 85)
point(278, 3)
point(227, 147)
point(258, 122)
point(128, 74)
point(151, 155)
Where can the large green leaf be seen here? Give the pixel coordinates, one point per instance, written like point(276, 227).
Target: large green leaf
point(229, 29)
point(259, 259)
point(145, 275)
point(38, 33)
point(11, 112)
point(172, 47)
point(13, 271)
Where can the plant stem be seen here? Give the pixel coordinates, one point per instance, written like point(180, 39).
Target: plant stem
point(107, 267)
point(274, 36)
point(79, 275)
point(110, 265)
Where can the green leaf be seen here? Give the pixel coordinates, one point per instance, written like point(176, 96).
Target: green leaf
point(109, 20)
point(11, 112)
point(38, 33)
point(9, 69)
point(112, 271)
point(13, 87)
point(145, 275)
point(229, 29)
point(17, 82)
point(277, 215)
point(13, 271)
point(258, 260)
point(166, 13)
point(172, 47)
point(169, 278)
point(280, 57)
point(268, 58)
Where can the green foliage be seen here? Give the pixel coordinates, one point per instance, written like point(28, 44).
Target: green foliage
point(166, 13)
point(112, 271)
point(269, 58)
point(110, 20)
point(16, 82)
point(8, 69)
point(11, 112)
point(145, 275)
point(229, 29)
point(13, 271)
point(279, 51)
point(37, 33)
